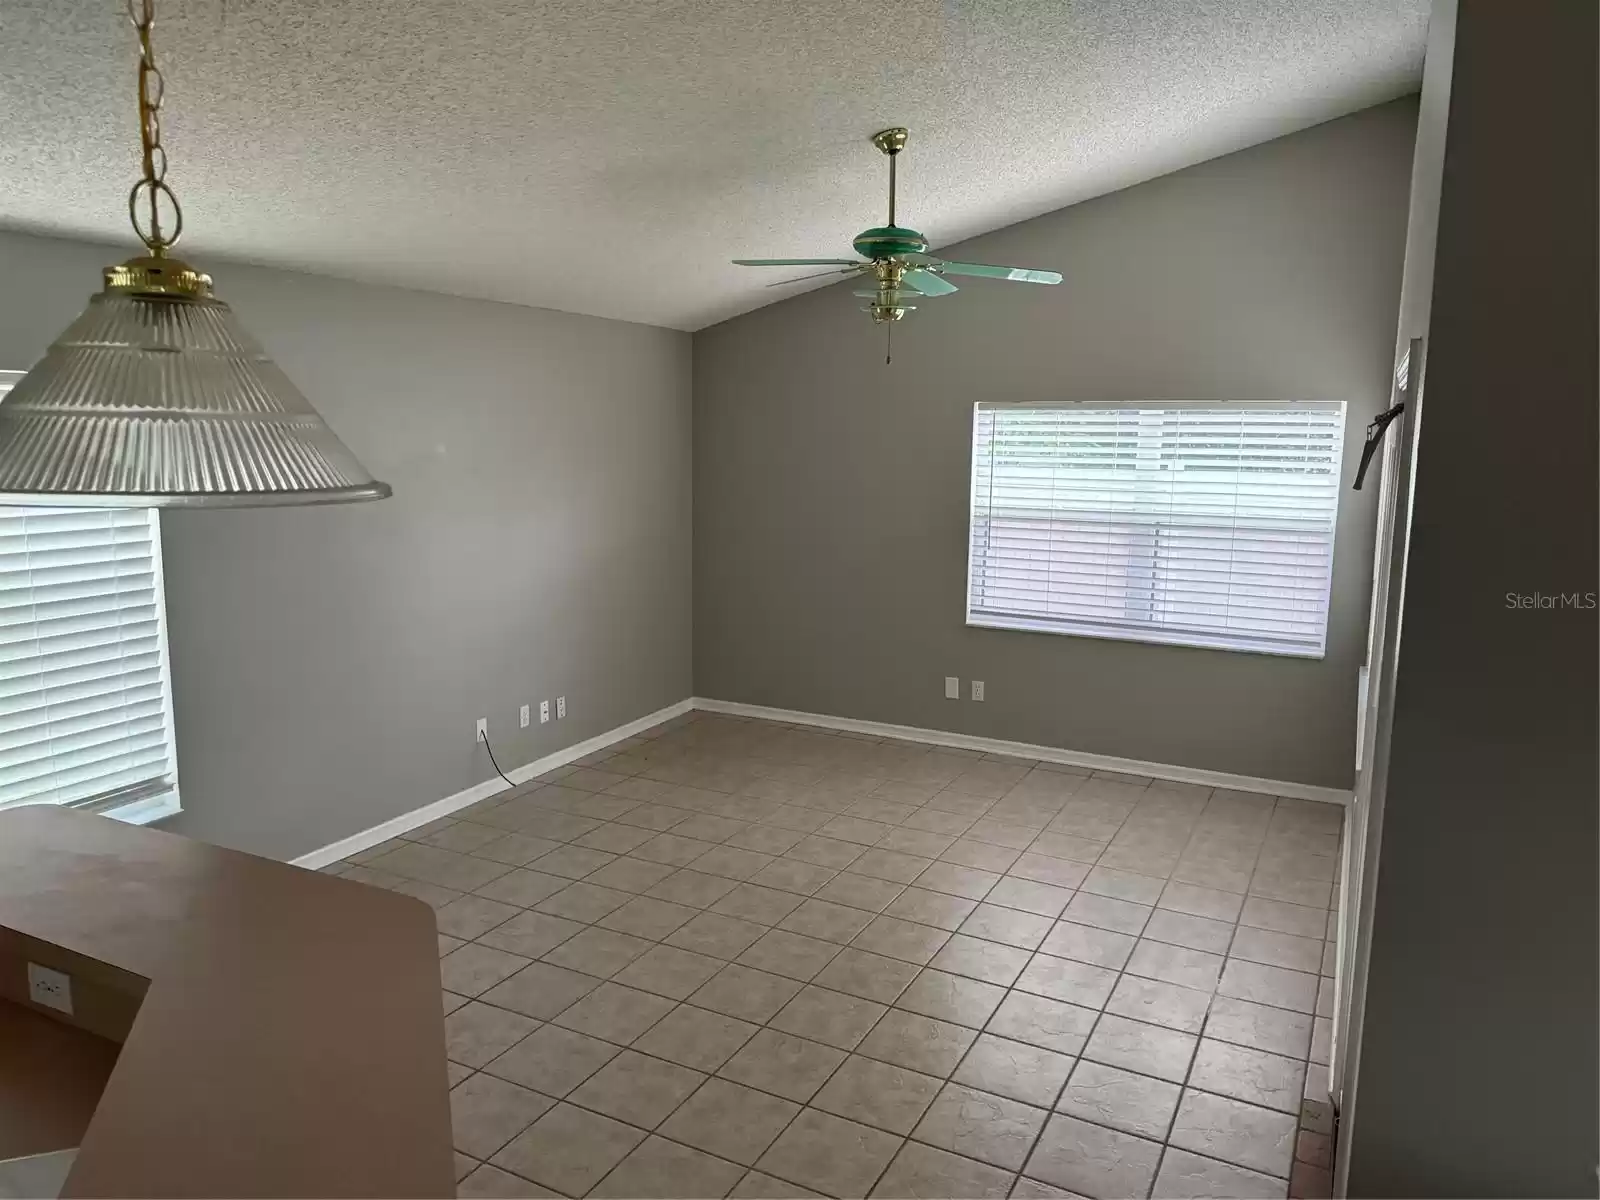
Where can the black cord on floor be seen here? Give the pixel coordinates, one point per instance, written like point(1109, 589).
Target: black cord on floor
point(497, 769)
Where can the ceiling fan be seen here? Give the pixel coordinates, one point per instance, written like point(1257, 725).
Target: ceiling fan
point(897, 258)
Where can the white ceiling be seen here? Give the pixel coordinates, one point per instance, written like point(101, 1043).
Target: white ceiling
point(610, 156)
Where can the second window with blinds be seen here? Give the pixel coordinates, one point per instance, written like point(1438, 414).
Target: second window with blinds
point(1197, 524)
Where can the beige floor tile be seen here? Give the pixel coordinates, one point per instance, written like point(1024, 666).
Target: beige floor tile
point(931, 908)
point(1267, 946)
point(822, 919)
point(569, 1149)
point(1091, 1160)
point(452, 1001)
point(953, 998)
point(1009, 834)
point(893, 865)
point(552, 1060)
point(1261, 913)
point(672, 850)
point(1235, 1132)
point(486, 1113)
point(1195, 933)
point(616, 1013)
point(1288, 888)
point(833, 1018)
point(1015, 1070)
point(706, 827)
point(732, 863)
point(1201, 901)
point(1065, 979)
point(443, 868)
point(523, 888)
point(1184, 1175)
point(1123, 885)
point(648, 918)
point(921, 1043)
point(669, 971)
point(920, 1170)
point(1040, 1021)
point(531, 934)
point(473, 916)
point(490, 1182)
point(637, 1089)
point(664, 1170)
point(746, 993)
point(981, 1125)
point(983, 856)
point(1262, 984)
point(1055, 872)
point(878, 1094)
point(793, 954)
point(1070, 848)
point(1158, 1003)
point(753, 902)
point(1101, 947)
point(716, 935)
point(455, 1072)
point(759, 1186)
point(448, 943)
point(793, 875)
point(1260, 1026)
point(1032, 1189)
point(791, 1067)
point(957, 880)
point(574, 862)
point(938, 821)
point(1121, 1099)
point(766, 838)
point(612, 838)
point(730, 1120)
point(696, 1037)
point(1254, 1076)
point(1105, 912)
point(476, 1033)
point(471, 970)
point(541, 990)
point(1008, 926)
point(859, 891)
point(584, 902)
point(1148, 1049)
point(904, 940)
point(870, 976)
point(1193, 969)
point(976, 958)
point(855, 829)
point(693, 888)
point(598, 952)
point(822, 851)
point(833, 1155)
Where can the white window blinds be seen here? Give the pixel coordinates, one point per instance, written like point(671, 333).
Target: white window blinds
point(85, 718)
point(1202, 524)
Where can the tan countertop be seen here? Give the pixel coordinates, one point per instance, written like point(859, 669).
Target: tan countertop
point(291, 1039)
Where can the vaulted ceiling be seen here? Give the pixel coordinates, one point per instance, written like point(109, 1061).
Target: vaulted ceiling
point(610, 156)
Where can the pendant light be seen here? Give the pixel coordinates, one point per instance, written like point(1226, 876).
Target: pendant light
point(155, 396)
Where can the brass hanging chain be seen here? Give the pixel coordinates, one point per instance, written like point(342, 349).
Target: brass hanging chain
point(152, 187)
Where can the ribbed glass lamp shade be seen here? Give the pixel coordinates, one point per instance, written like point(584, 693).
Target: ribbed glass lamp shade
point(155, 397)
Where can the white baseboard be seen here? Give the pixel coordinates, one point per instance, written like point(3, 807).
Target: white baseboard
point(1075, 758)
point(395, 826)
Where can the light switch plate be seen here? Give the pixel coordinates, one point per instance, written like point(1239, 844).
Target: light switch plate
point(53, 989)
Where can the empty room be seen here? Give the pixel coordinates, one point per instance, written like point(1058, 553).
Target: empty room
point(770, 600)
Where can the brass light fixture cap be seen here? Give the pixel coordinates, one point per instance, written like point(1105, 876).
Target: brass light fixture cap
point(149, 275)
point(891, 141)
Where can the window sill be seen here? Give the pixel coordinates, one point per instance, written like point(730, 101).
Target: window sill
point(148, 812)
point(1144, 637)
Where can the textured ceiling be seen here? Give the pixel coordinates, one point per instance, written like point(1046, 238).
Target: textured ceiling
point(609, 156)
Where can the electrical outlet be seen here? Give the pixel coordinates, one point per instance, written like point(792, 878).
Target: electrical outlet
point(524, 716)
point(977, 689)
point(544, 712)
point(561, 707)
point(952, 688)
point(483, 729)
point(53, 989)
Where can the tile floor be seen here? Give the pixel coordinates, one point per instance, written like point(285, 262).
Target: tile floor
point(735, 957)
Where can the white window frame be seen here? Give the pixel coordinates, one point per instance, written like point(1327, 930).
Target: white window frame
point(1153, 634)
point(142, 809)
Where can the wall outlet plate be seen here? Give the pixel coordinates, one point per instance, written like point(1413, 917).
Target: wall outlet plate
point(561, 707)
point(544, 712)
point(524, 716)
point(481, 732)
point(952, 688)
point(977, 689)
point(53, 989)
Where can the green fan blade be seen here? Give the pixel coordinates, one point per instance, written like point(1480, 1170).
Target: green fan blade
point(851, 270)
point(1020, 274)
point(798, 262)
point(928, 283)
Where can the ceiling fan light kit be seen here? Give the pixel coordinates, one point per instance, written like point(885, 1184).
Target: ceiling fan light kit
point(156, 396)
point(897, 257)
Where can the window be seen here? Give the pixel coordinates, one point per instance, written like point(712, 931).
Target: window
point(1196, 524)
point(85, 691)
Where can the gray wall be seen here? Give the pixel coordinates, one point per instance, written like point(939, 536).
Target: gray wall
point(831, 492)
point(1479, 1044)
point(329, 663)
